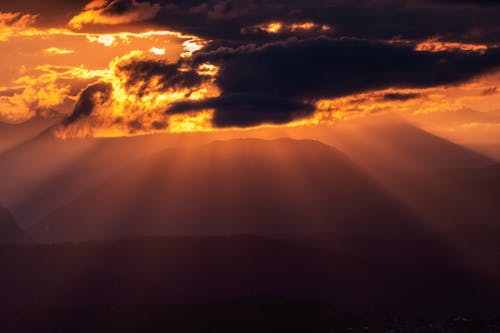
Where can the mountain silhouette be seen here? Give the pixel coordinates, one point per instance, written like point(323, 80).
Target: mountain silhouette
point(45, 172)
point(13, 135)
point(10, 233)
point(396, 145)
point(480, 189)
point(280, 187)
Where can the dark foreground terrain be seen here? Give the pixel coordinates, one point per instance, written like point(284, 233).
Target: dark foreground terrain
point(217, 284)
point(251, 314)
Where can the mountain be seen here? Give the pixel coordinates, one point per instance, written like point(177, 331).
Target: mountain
point(46, 173)
point(279, 187)
point(416, 167)
point(481, 187)
point(10, 233)
point(395, 145)
point(490, 149)
point(13, 135)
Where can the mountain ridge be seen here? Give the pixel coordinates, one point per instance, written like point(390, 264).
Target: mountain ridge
point(247, 181)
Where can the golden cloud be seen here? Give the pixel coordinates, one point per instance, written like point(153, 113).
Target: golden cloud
point(157, 51)
point(13, 23)
point(137, 103)
point(436, 45)
point(57, 51)
point(280, 27)
point(42, 87)
point(136, 107)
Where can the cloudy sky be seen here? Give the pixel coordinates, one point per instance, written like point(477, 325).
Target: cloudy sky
point(130, 67)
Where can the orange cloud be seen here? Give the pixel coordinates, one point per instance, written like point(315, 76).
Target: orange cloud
point(32, 99)
point(273, 27)
point(16, 20)
point(192, 45)
point(137, 103)
point(96, 4)
point(57, 51)
point(106, 40)
point(280, 27)
point(30, 88)
point(208, 69)
point(48, 90)
point(433, 45)
point(12, 23)
point(194, 122)
point(139, 107)
point(461, 113)
point(157, 51)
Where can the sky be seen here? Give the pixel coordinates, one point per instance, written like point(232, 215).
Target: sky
point(108, 68)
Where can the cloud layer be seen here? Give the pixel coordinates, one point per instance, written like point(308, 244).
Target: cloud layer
point(252, 62)
point(299, 72)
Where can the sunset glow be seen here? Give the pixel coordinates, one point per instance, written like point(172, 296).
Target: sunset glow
point(66, 62)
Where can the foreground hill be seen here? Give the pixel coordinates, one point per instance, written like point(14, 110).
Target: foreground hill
point(416, 275)
point(279, 187)
point(10, 233)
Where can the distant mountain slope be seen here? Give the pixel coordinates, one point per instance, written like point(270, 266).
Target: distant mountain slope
point(480, 188)
point(490, 149)
point(45, 171)
point(10, 233)
point(279, 187)
point(12, 135)
point(399, 146)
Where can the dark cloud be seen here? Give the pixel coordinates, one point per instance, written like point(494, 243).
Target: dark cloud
point(139, 73)
point(266, 77)
point(489, 91)
point(324, 68)
point(248, 110)
point(10, 92)
point(458, 20)
point(140, 77)
point(486, 3)
point(289, 76)
point(91, 96)
point(51, 12)
point(159, 125)
point(120, 7)
point(400, 96)
point(465, 20)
